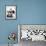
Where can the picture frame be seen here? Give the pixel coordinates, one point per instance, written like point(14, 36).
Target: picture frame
point(10, 13)
point(36, 32)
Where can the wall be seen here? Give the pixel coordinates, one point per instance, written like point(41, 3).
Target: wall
point(33, 12)
point(28, 12)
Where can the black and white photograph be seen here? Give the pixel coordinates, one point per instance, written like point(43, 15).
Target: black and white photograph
point(31, 34)
point(11, 12)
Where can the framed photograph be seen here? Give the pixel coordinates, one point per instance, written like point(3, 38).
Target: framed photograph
point(33, 32)
point(10, 12)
